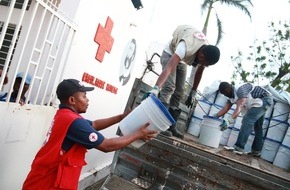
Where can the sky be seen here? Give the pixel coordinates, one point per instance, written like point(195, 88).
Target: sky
point(239, 30)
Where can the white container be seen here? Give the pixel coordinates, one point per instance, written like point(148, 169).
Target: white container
point(269, 112)
point(281, 111)
point(248, 146)
point(233, 137)
point(238, 122)
point(220, 100)
point(150, 110)
point(286, 140)
point(194, 126)
point(269, 150)
point(202, 108)
point(282, 158)
point(214, 109)
point(210, 133)
point(265, 126)
point(277, 130)
point(225, 136)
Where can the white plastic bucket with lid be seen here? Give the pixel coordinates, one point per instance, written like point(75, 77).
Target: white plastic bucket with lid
point(281, 111)
point(265, 126)
point(202, 108)
point(210, 131)
point(233, 137)
point(214, 109)
point(156, 113)
point(276, 130)
point(269, 111)
point(150, 110)
point(269, 150)
point(286, 140)
point(194, 126)
point(282, 158)
point(248, 145)
point(225, 136)
point(221, 100)
point(238, 122)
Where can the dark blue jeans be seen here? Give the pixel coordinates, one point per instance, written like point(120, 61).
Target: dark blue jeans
point(254, 118)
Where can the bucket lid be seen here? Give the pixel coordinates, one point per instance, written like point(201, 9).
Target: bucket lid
point(212, 117)
point(163, 109)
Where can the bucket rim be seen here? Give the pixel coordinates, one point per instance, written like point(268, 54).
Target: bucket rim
point(212, 117)
point(163, 109)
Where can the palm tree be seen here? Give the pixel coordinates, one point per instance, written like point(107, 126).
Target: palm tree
point(209, 6)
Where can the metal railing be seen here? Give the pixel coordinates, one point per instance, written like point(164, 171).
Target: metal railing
point(41, 51)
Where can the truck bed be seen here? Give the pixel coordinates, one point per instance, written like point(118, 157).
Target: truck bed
point(176, 164)
point(171, 163)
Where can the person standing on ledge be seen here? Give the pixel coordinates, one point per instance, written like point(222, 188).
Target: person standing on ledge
point(188, 46)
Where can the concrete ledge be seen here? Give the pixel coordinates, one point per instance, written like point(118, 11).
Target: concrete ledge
point(92, 177)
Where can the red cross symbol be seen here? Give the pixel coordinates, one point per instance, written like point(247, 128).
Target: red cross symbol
point(104, 39)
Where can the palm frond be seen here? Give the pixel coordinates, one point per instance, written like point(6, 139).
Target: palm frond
point(240, 4)
point(205, 5)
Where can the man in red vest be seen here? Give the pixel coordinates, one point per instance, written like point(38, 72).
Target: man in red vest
point(58, 164)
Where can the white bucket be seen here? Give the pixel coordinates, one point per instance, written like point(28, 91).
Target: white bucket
point(276, 130)
point(210, 133)
point(248, 145)
point(238, 122)
point(286, 140)
point(225, 136)
point(202, 108)
point(281, 111)
point(150, 110)
point(265, 126)
point(233, 137)
point(194, 126)
point(221, 100)
point(282, 158)
point(214, 109)
point(269, 150)
point(269, 111)
point(209, 95)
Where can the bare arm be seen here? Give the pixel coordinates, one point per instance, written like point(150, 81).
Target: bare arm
point(240, 103)
point(170, 67)
point(107, 122)
point(116, 143)
point(224, 110)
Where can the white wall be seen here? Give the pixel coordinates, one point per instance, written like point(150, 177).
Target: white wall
point(23, 129)
point(126, 26)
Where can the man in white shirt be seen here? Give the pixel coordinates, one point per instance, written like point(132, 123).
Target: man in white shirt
point(187, 47)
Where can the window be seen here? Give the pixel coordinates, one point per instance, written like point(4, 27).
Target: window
point(7, 43)
point(18, 3)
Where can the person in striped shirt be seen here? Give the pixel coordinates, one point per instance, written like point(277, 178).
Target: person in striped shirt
point(252, 103)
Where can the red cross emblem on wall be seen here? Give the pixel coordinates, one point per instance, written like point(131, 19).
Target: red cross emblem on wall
point(104, 39)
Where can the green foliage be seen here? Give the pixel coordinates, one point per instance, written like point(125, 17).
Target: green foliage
point(268, 60)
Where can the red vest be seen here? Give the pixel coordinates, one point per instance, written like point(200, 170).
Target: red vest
point(51, 168)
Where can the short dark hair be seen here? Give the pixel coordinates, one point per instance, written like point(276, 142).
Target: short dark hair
point(211, 53)
point(223, 86)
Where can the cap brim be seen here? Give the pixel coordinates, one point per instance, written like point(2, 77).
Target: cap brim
point(85, 89)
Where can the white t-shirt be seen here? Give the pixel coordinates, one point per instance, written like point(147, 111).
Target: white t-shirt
point(180, 49)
